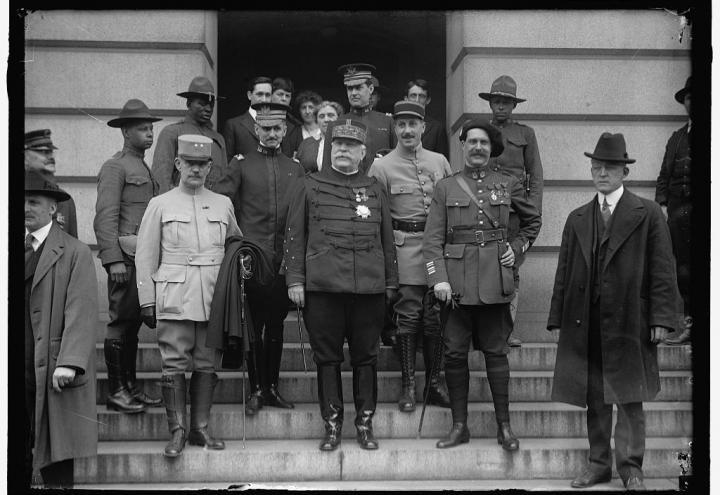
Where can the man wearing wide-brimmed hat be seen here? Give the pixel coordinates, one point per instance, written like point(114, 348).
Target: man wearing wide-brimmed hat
point(125, 186)
point(673, 193)
point(613, 301)
point(201, 98)
point(40, 157)
point(520, 158)
point(61, 314)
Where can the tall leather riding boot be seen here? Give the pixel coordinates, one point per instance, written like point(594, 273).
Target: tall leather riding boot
point(273, 358)
point(512, 340)
point(253, 360)
point(407, 344)
point(202, 386)
point(365, 395)
point(432, 355)
point(458, 382)
point(119, 398)
point(173, 390)
point(331, 404)
point(130, 366)
point(498, 373)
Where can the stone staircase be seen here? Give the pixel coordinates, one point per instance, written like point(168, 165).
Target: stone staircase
point(281, 445)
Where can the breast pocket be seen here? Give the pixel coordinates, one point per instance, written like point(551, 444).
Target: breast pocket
point(218, 228)
point(137, 189)
point(458, 211)
point(170, 288)
point(402, 188)
point(174, 226)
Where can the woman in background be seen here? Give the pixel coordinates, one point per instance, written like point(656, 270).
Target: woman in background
point(305, 106)
point(309, 153)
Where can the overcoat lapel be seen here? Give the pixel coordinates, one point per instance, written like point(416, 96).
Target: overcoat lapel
point(628, 214)
point(583, 227)
point(52, 252)
point(249, 123)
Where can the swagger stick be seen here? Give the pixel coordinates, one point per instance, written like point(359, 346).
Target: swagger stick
point(302, 344)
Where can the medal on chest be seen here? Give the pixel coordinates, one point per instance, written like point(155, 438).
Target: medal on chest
point(361, 196)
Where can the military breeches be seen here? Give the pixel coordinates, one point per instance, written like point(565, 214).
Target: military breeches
point(182, 347)
point(415, 313)
point(124, 308)
point(268, 308)
point(487, 326)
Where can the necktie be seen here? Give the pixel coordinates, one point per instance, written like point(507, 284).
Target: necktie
point(28, 247)
point(605, 211)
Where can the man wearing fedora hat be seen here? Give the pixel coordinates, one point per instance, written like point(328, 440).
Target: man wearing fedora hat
point(125, 186)
point(239, 132)
point(60, 322)
point(613, 301)
point(409, 174)
point(673, 193)
point(342, 270)
point(40, 157)
point(200, 104)
point(520, 158)
point(469, 254)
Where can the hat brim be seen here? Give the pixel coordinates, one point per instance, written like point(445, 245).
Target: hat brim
point(680, 95)
point(487, 96)
point(609, 158)
point(347, 137)
point(59, 195)
point(408, 115)
point(189, 158)
point(192, 94)
point(121, 121)
point(43, 147)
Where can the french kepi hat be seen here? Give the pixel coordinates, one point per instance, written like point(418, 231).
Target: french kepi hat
point(133, 110)
point(201, 86)
point(611, 148)
point(349, 129)
point(502, 86)
point(194, 147)
point(356, 73)
point(269, 114)
point(39, 184)
point(39, 140)
point(493, 133)
point(410, 109)
point(680, 95)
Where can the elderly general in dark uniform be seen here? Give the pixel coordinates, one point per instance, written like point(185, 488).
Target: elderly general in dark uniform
point(125, 186)
point(673, 192)
point(180, 247)
point(200, 101)
point(260, 185)
point(40, 157)
point(520, 158)
point(409, 173)
point(469, 252)
point(614, 298)
point(341, 267)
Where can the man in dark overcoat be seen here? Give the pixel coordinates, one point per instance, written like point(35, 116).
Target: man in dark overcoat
point(614, 299)
point(239, 132)
point(61, 318)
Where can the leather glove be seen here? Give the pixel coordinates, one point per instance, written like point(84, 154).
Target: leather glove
point(148, 316)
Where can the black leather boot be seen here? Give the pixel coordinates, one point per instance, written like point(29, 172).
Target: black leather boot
point(365, 395)
point(255, 398)
point(130, 360)
point(173, 389)
point(506, 437)
point(331, 404)
point(202, 386)
point(498, 373)
point(273, 358)
point(407, 346)
point(433, 350)
point(458, 434)
point(458, 382)
point(120, 398)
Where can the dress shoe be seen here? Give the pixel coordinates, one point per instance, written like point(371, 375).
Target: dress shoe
point(176, 444)
point(634, 483)
point(364, 427)
point(590, 477)
point(271, 397)
point(507, 438)
point(514, 341)
point(683, 338)
point(333, 436)
point(202, 438)
point(254, 403)
point(458, 434)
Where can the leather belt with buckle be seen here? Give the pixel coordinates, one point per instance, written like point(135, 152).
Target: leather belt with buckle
point(408, 226)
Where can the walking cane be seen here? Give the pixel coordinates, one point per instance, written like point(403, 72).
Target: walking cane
point(302, 345)
point(245, 273)
point(444, 314)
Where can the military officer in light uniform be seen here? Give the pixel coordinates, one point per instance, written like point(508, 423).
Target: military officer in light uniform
point(409, 173)
point(469, 252)
point(181, 244)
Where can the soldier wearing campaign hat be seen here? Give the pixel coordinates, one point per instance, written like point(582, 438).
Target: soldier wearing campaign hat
point(469, 254)
point(260, 184)
point(200, 101)
point(180, 248)
point(409, 174)
point(125, 186)
point(520, 158)
point(341, 269)
point(40, 157)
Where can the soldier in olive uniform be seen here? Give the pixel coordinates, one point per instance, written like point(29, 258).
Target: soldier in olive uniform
point(341, 268)
point(180, 247)
point(125, 186)
point(470, 253)
point(674, 195)
point(200, 103)
point(520, 158)
point(410, 173)
point(40, 157)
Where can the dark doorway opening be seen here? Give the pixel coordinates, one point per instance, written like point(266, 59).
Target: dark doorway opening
point(308, 46)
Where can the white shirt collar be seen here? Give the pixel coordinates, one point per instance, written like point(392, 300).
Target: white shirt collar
point(253, 113)
point(39, 235)
point(612, 198)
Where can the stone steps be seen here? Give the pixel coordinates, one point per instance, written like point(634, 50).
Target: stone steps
point(297, 386)
point(528, 419)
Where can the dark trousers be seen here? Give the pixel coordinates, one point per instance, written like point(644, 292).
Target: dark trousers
point(124, 308)
point(679, 223)
point(268, 308)
point(414, 312)
point(630, 424)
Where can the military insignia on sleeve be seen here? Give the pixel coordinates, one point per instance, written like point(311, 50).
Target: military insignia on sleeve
point(362, 211)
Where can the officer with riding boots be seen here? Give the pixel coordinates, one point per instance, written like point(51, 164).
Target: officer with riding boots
point(469, 253)
point(180, 247)
point(342, 269)
point(409, 173)
point(125, 186)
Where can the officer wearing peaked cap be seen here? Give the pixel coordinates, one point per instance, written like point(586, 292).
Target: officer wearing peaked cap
point(125, 186)
point(180, 248)
point(342, 269)
point(200, 104)
point(40, 157)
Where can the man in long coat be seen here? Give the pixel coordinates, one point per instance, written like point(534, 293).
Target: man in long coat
point(60, 323)
point(239, 132)
point(614, 299)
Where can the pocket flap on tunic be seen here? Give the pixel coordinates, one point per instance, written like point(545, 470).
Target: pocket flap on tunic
point(215, 217)
point(402, 188)
point(136, 180)
point(175, 217)
point(517, 140)
point(170, 273)
point(457, 201)
point(454, 251)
